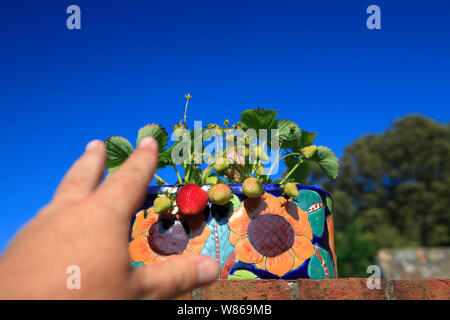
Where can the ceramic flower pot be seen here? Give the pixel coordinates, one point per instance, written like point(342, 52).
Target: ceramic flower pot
point(267, 238)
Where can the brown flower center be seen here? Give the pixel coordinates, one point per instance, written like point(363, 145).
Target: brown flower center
point(168, 237)
point(270, 235)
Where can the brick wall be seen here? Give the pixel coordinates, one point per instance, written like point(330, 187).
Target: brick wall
point(336, 289)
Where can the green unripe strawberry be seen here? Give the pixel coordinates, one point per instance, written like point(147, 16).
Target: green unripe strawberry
point(309, 151)
point(179, 130)
point(216, 130)
point(252, 188)
point(220, 194)
point(220, 167)
point(290, 189)
point(162, 204)
point(260, 170)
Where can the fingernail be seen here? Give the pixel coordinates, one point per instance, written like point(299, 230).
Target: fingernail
point(147, 142)
point(207, 271)
point(92, 145)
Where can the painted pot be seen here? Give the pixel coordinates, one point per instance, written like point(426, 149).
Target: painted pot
point(271, 237)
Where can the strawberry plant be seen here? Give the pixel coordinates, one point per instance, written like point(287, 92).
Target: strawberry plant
point(248, 152)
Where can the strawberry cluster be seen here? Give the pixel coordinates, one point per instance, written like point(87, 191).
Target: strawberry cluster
point(192, 199)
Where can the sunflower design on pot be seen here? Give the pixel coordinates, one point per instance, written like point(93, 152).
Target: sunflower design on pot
point(155, 238)
point(272, 233)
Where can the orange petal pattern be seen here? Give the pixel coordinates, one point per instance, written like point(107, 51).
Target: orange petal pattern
point(234, 237)
point(302, 248)
point(239, 221)
point(143, 224)
point(266, 204)
point(298, 220)
point(281, 264)
point(151, 260)
point(199, 236)
point(135, 231)
point(273, 205)
point(246, 253)
point(297, 262)
point(139, 250)
point(262, 263)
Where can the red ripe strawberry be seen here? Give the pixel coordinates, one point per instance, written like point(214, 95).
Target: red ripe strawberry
point(191, 199)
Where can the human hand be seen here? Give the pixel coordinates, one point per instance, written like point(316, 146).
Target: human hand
point(87, 225)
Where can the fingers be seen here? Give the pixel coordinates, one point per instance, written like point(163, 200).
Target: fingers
point(124, 192)
point(175, 276)
point(84, 175)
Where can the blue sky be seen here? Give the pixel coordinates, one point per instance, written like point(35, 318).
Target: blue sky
point(315, 62)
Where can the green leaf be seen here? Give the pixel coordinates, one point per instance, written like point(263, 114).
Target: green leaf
point(118, 149)
point(234, 203)
point(330, 204)
point(326, 159)
point(258, 119)
point(155, 131)
point(164, 158)
point(301, 173)
point(195, 176)
point(307, 138)
point(160, 183)
point(289, 134)
point(242, 274)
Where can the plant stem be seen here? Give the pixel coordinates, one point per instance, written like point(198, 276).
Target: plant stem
point(206, 173)
point(160, 179)
point(173, 187)
point(292, 170)
point(279, 159)
point(185, 111)
point(271, 167)
point(178, 174)
point(255, 166)
point(187, 173)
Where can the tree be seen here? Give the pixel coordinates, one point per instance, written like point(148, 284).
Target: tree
point(394, 187)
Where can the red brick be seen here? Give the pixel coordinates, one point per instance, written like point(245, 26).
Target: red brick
point(339, 289)
point(247, 290)
point(422, 289)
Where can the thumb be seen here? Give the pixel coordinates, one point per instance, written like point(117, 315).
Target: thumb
point(175, 276)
